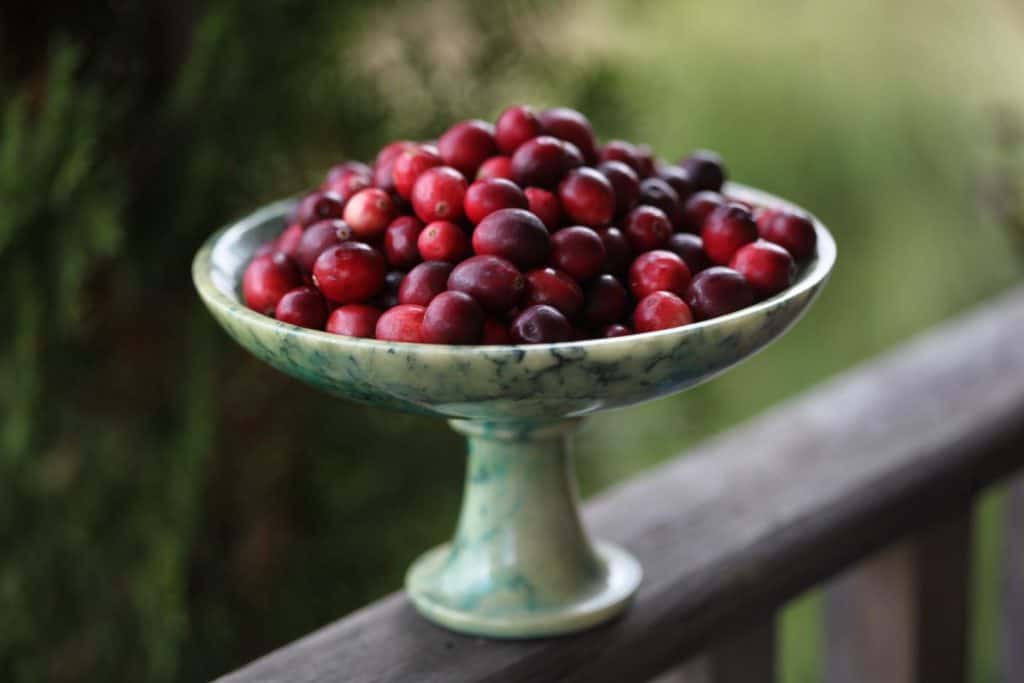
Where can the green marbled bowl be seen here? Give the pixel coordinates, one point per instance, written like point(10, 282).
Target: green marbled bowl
point(521, 564)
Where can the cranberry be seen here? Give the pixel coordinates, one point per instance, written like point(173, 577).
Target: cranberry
point(621, 151)
point(424, 282)
point(540, 325)
point(647, 227)
point(318, 237)
point(606, 301)
point(484, 197)
point(661, 311)
point(572, 126)
point(410, 164)
point(266, 248)
point(345, 182)
point(453, 318)
point(658, 270)
point(545, 206)
point(495, 332)
point(793, 231)
point(587, 197)
point(656, 192)
point(302, 306)
point(494, 282)
point(617, 252)
point(403, 323)
point(515, 126)
point(578, 251)
point(438, 194)
point(554, 288)
point(388, 294)
point(615, 330)
point(543, 161)
point(768, 267)
point(727, 229)
point(679, 180)
point(350, 272)
point(706, 170)
point(369, 212)
point(383, 166)
point(400, 241)
point(624, 182)
point(267, 279)
point(717, 291)
point(514, 234)
point(288, 241)
point(443, 241)
point(353, 320)
point(645, 159)
point(318, 205)
point(346, 168)
point(698, 208)
point(466, 145)
point(495, 167)
point(690, 248)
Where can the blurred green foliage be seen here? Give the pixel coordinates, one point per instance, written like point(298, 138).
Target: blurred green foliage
point(170, 509)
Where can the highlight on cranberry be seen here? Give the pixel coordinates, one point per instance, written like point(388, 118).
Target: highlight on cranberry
point(527, 231)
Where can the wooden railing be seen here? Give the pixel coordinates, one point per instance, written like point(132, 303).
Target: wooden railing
point(870, 479)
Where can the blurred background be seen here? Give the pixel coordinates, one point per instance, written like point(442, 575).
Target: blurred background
point(170, 509)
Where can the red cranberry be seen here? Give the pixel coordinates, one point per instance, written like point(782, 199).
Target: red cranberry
point(403, 323)
point(383, 166)
point(515, 126)
point(617, 252)
point(484, 197)
point(400, 241)
point(679, 180)
point(706, 170)
point(658, 270)
point(514, 234)
point(690, 248)
point(453, 318)
point(353, 320)
point(495, 167)
point(545, 206)
point(624, 182)
point(578, 251)
point(345, 182)
point(318, 205)
point(606, 301)
point(793, 231)
point(350, 272)
point(621, 151)
point(587, 197)
point(540, 325)
point(647, 227)
point(369, 212)
point(656, 192)
point(443, 241)
point(572, 126)
point(408, 166)
point(438, 194)
point(661, 311)
point(768, 267)
point(302, 306)
point(494, 282)
point(698, 208)
point(543, 161)
point(554, 288)
point(267, 279)
point(645, 158)
point(318, 237)
point(466, 145)
point(717, 291)
point(288, 241)
point(727, 229)
point(495, 332)
point(615, 330)
point(346, 168)
point(424, 282)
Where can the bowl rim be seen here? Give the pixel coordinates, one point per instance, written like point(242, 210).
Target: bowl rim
point(202, 267)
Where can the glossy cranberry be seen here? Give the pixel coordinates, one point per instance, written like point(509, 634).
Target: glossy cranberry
point(317, 238)
point(453, 318)
point(605, 301)
point(495, 167)
point(345, 168)
point(302, 306)
point(353, 320)
point(727, 229)
point(587, 197)
point(624, 182)
point(400, 241)
point(571, 126)
point(443, 241)
point(288, 241)
point(617, 252)
point(388, 294)
point(658, 270)
point(545, 206)
point(767, 267)
point(383, 166)
point(515, 126)
point(792, 231)
point(466, 145)
point(369, 212)
point(698, 208)
point(621, 151)
point(578, 251)
point(318, 205)
point(346, 181)
point(717, 291)
point(540, 325)
point(410, 164)
point(267, 279)
point(484, 197)
point(661, 311)
point(705, 169)
point(645, 159)
point(647, 227)
point(554, 288)
point(403, 323)
point(495, 332)
point(679, 180)
point(513, 234)
point(350, 272)
point(438, 194)
point(615, 330)
point(656, 192)
point(424, 282)
point(543, 161)
point(494, 282)
point(690, 248)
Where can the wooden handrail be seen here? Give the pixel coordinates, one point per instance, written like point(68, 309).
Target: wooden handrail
point(743, 523)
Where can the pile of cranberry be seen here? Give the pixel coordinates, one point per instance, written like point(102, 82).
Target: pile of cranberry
point(523, 232)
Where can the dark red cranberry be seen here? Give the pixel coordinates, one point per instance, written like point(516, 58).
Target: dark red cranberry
point(267, 279)
point(645, 159)
point(578, 251)
point(617, 252)
point(624, 182)
point(318, 237)
point(540, 325)
point(495, 332)
point(554, 288)
point(768, 267)
point(513, 234)
point(410, 164)
point(438, 194)
point(718, 291)
point(400, 241)
point(424, 282)
point(545, 206)
point(698, 208)
point(647, 227)
point(353, 320)
point(443, 241)
point(346, 181)
point(656, 192)
point(466, 145)
point(484, 197)
point(661, 311)
point(494, 282)
point(453, 318)
point(302, 306)
point(658, 270)
point(388, 294)
point(403, 323)
point(288, 241)
point(606, 301)
point(690, 248)
point(572, 126)
point(587, 197)
point(495, 167)
point(515, 126)
point(727, 229)
point(369, 212)
point(706, 170)
point(383, 166)
point(615, 330)
point(793, 231)
point(679, 180)
point(318, 205)
point(345, 168)
point(543, 161)
point(350, 272)
point(621, 151)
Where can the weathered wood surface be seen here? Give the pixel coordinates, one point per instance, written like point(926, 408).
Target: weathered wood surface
point(746, 655)
point(1012, 626)
point(744, 522)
